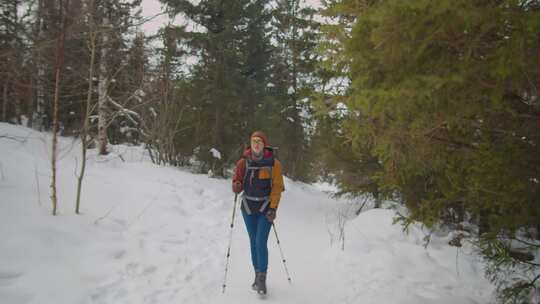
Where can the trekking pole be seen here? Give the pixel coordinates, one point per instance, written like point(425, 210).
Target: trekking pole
point(282, 256)
point(230, 241)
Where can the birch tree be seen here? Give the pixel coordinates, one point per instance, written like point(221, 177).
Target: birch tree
point(103, 83)
point(92, 38)
point(59, 65)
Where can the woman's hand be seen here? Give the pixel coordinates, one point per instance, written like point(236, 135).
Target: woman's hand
point(237, 187)
point(271, 215)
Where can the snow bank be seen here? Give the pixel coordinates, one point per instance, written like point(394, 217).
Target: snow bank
point(384, 265)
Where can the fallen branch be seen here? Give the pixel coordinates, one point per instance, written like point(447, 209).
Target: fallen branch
point(17, 139)
point(104, 216)
point(141, 213)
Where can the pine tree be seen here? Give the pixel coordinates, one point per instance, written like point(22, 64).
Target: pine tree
point(14, 22)
point(229, 79)
point(293, 84)
point(8, 51)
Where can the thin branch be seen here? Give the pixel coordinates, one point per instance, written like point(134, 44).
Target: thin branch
point(142, 212)
point(105, 216)
point(529, 263)
point(454, 143)
point(124, 110)
point(362, 207)
point(526, 243)
point(535, 279)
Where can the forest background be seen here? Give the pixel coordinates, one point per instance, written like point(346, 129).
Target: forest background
point(432, 104)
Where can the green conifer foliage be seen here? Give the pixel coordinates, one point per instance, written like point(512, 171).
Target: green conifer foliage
point(295, 33)
point(229, 78)
point(444, 94)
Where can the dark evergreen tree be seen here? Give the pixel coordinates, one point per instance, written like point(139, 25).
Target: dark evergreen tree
point(229, 79)
point(11, 45)
point(16, 60)
point(292, 85)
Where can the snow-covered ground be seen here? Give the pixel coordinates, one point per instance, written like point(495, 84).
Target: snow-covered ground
point(150, 234)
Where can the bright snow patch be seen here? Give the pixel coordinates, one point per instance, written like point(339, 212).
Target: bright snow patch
point(215, 153)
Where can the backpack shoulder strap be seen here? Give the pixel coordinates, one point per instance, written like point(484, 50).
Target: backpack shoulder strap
point(246, 168)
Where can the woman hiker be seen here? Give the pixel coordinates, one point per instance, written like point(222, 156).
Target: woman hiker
point(258, 174)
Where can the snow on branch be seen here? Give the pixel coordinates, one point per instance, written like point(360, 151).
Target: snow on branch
point(133, 116)
point(122, 110)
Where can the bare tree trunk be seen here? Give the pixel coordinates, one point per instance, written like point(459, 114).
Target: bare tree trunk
point(18, 112)
point(102, 87)
point(39, 114)
point(5, 101)
point(40, 99)
point(86, 113)
point(59, 64)
point(217, 164)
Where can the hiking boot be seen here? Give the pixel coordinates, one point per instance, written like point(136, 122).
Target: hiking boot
point(260, 281)
point(254, 285)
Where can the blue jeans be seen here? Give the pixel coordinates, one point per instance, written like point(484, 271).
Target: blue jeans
point(258, 228)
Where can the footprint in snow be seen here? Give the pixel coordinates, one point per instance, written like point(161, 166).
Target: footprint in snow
point(9, 277)
point(149, 270)
point(119, 254)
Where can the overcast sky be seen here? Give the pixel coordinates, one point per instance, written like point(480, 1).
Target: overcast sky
point(152, 8)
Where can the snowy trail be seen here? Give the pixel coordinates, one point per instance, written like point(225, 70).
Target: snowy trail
point(189, 253)
point(151, 234)
point(303, 237)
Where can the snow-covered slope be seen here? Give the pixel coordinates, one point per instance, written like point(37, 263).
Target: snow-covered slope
point(150, 234)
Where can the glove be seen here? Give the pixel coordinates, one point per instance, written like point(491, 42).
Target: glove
point(237, 187)
point(271, 215)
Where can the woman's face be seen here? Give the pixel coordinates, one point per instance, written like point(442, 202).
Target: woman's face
point(257, 145)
